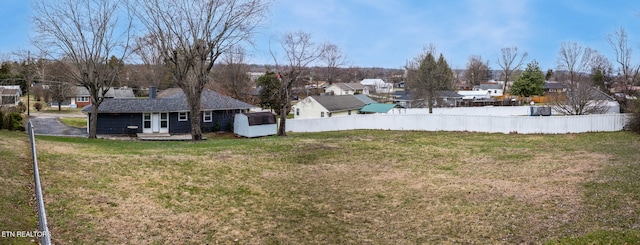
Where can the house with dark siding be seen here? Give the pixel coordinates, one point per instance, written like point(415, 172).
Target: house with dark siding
point(167, 113)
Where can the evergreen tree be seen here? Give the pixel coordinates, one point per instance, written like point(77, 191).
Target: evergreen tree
point(269, 93)
point(531, 82)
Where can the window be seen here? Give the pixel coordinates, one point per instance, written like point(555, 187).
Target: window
point(349, 112)
point(322, 114)
point(164, 120)
point(147, 120)
point(183, 116)
point(328, 114)
point(83, 99)
point(207, 117)
point(297, 111)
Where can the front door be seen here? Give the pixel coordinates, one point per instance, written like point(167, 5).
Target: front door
point(155, 123)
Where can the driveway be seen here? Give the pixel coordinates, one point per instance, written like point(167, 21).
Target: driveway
point(49, 124)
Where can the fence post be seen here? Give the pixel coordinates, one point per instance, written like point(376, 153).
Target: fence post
point(45, 235)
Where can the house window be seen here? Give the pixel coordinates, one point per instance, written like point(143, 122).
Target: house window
point(297, 111)
point(328, 114)
point(164, 120)
point(147, 120)
point(83, 99)
point(322, 114)
point(182, 116)
point(349, 112)
point(207, 116)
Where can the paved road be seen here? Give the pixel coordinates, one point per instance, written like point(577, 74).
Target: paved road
point(49, 124)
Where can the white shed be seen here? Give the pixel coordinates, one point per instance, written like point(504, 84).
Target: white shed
point(255, 124)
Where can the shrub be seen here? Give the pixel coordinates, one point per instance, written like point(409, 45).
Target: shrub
point(15, 122)
point(38, 106)
point(634, 122)
point(21, 107)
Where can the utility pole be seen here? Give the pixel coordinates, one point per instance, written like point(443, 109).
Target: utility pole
point(28, 82)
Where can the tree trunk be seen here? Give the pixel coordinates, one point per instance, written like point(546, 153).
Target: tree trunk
point(93, 121)
point(430, 102)
point(194, 116)
point(282, 128)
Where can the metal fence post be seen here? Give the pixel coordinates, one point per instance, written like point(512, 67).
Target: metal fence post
point(45, 235)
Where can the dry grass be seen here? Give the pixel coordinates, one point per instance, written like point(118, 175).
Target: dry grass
point(17, 202)
point(342, 187)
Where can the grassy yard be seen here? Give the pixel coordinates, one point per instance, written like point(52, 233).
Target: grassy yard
point(376, 187)
point(78, 122)
point(17, 198)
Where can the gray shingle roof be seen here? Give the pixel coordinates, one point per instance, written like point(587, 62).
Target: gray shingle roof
point(339, 102)
point(210, 101)
point(111, 93)
point(365, 99)
point(350, 86)
point(487, 86)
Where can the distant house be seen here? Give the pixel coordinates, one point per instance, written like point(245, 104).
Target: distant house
point(347, 88)
point(327, 106)
point(166, 115)
point(554, 88)
point(475, 95)
point(378, 85)
point(494, 89)
point(81, 97)
point(10, 95)
point(408, 99)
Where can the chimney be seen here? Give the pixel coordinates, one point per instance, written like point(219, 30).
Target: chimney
point(152, 92)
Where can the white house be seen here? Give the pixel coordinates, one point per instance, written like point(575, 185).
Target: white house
point(347, 88)
point(10, 95)
point(474, 95)
point(494, 89)
point(327, 106)
point(378, 85)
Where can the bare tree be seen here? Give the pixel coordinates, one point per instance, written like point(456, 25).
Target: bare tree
point(232, 74)
point(85, 34)
point(334, 59)
point(190, 35)
point(629, 72)
point(152, 68)
point(581, 97)
point(299, 52)
point(509, 61)
point(477, 70)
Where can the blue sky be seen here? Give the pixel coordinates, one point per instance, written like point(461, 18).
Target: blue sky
point(386, 33)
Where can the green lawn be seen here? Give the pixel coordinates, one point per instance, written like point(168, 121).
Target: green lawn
point(78, 122)
point(376, 187)
point(17, 209)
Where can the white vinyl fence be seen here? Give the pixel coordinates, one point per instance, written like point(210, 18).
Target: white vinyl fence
point(472, 123)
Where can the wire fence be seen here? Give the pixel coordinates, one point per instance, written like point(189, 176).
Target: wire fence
point(45, 235)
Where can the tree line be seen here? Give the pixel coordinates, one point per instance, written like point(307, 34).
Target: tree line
point(198, 44)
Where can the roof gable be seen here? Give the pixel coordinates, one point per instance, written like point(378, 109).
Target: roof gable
point(339, 102)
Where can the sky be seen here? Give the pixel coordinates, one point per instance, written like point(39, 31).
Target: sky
point(387, 33)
